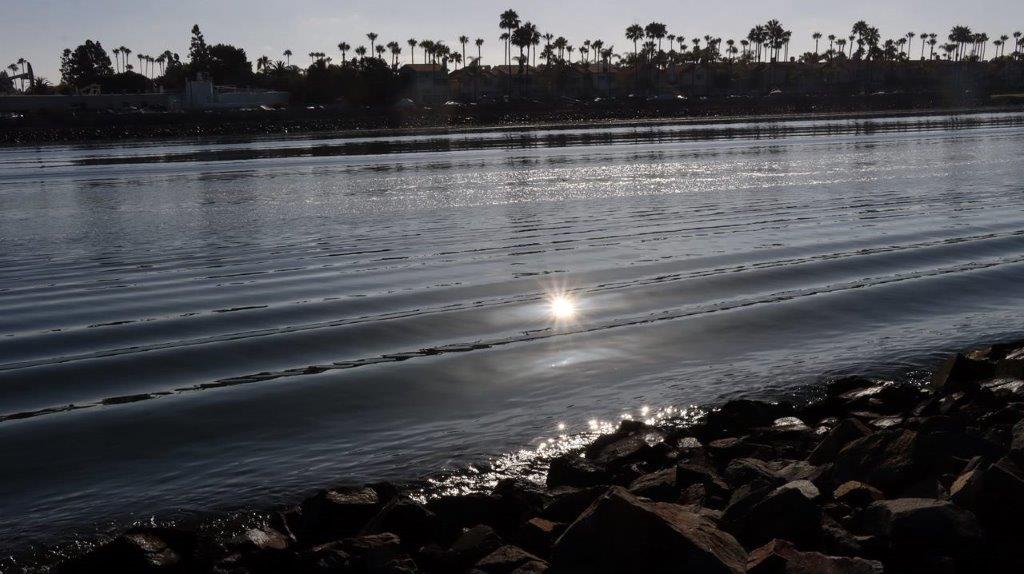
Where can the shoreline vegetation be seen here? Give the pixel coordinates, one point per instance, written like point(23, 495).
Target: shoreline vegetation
point(99, 128)
point(869, 476)
point(216, 90)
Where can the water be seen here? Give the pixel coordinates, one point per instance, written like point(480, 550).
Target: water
point(194, 326)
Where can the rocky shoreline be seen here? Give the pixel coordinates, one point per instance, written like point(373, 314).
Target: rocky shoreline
point(872, 477)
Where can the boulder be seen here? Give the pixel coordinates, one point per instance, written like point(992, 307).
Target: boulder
point(886, 459)
point(539, 534)
point(623, 533)
point(568, 503)
point(333, 514)
point(506, 560)
point(846, 431)
point(961, 373)
point(474, 544)
point(411, 521)
point(619, 450)
point(857, 494)
point(465, 510)
point(738, 416)
point(790, 512)
point(660, 485)
point(913, 525)
point(782, 557)
point(140, 550)
point(572, 470)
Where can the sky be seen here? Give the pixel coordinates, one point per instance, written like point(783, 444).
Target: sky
point(39, 30)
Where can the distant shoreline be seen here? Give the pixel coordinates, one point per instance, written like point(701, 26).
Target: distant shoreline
point(105, 128)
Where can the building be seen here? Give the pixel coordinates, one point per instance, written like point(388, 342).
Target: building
point(426, 83)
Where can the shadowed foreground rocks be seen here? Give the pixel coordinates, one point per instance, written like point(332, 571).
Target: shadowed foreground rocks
point(872, 477)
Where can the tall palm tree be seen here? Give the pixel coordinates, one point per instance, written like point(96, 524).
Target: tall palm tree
point(412, 49)
point(361, 52)
point(463, 40)
point(635, 33)
point(125, 52)
point(479, 45)
point(288, 57)
point(923, 36)
point(1017, 43)
point(372, 36)
point(816, 36)
point(344, 47)
point(910, 42)
point(508, 21)
point(380, 52)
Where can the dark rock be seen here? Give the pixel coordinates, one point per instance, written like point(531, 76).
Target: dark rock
point(738, 416)
point(139, 550)
point(845, 432)
point(333, 514)
point(857, 494)
point(790, 512)
point(885, 459)
point(568, 503)
point(659, 485)
point(411, 521)
point(961, 373)
point(995, 494)
point(690, 473)
point(539, 534)
point(466, 510)
point(1017, 443)
point(572, 470)
point(474, 544)
point(623, 533)
point(741, 471)
point(506, 560)
point(372, 552)
point(923, 525)
point(621, 450)
point(782, 557)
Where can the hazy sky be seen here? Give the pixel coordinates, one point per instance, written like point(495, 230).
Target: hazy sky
point(39, 29)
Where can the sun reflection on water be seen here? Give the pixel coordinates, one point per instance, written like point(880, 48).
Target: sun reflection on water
point(532, 463)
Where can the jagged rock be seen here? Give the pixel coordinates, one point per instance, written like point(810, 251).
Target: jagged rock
point(1017, 442)
point(659, 485)
point(885, 459)
point(845, 432)
point(505, 560)
point(539, 534)
point(621, 450)
point(690, 473)
point(921, 524)
point(857, 494)
point(572, 470)
point(520, 501)
point(790, 512)
point(741, 415)
point(466, 510)
point(567, 503)
point(411, 521)
point(371, 552)
point(139, 550)
point(744, 470)
point(623, 533)
point(782, 557)
point(994, 493)
point(333, 514)
point(474, 544)
point(960, 373)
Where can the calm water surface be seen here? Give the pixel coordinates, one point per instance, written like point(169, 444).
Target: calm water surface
point(192, 326)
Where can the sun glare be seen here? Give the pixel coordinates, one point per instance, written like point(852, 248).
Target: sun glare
point(563, 307)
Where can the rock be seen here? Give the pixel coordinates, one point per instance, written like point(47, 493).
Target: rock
point(782, 557)
point(739, 416)
point(623, 533)
point(505, 560)
point(568, 503)
point(857, 494)
point(1017, 442)
point(411, 521)
point(741, 471)
point(333, 514)
point(690, 473)
point(995, 494)
point(138, 550)
point(466, 510)
point(621, 450)
point(660, 485)
point(790, 512)
point(915, 525)
point(885, 459)
point(572, 470)
point(961, 373)
point(845, 432)
point(539, 534)
point(474, 544)
point(371, 552)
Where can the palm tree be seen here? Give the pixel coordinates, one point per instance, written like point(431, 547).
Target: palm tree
point(635, 33)
point(509, 21)
point(343, 47)
point(816, 36)
point(361, 52)
point(380, 51)
point(288, 57)
point(479, 45)
point(1017, 42)
point(372, 36)
point(463, 40)
point(924, 40)
point(910, 42)
point(1002, 42)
